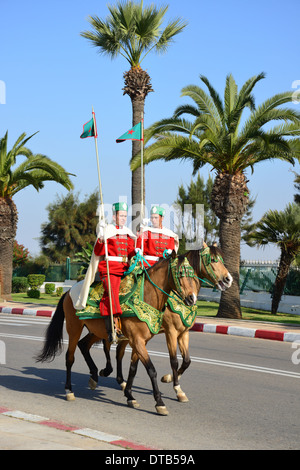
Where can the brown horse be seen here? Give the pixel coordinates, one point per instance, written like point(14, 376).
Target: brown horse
point(157, 286)
point(208, 266)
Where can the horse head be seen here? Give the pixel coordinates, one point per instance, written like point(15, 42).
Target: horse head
point(186, 284)
point(212, 267)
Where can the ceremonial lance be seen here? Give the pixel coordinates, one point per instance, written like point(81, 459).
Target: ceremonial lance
point(89, 130)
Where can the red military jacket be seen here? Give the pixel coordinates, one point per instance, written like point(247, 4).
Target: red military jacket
point(155, 242)
point(120, 249)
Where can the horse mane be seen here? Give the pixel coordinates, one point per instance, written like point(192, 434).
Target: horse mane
point(216, 251)
point(193, 256)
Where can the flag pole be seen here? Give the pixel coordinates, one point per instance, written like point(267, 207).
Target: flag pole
point(101, 217)
point(142, 180)
point(98, 167)
point(142, 168)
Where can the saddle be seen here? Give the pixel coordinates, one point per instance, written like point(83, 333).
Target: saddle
point(131, 297)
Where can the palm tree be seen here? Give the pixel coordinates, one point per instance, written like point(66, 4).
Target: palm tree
point(33, 171)
point(217, 136)
point(283, 229)
point(133, 31)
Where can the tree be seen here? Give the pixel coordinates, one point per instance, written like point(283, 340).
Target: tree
point(217, 136)
point(72, 224)
point(133, 31)
point(20, 254)
point(283, 229)
point(34, 171)
point(297, 186)
point(198, 192)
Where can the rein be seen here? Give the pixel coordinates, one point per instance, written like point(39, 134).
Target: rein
point(185, 270)
point(153, 283)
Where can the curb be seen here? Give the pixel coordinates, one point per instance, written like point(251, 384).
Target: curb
point(85, 432)
point(247, 332)
point(200, 327)
point(27, 311)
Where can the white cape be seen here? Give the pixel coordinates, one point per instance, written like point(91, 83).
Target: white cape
point(79, 293)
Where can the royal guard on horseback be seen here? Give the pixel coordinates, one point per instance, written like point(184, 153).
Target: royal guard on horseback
point(153, 241)
point(115, 244)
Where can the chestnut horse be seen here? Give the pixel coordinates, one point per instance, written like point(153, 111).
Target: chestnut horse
point(157, 286)
point(208, 265)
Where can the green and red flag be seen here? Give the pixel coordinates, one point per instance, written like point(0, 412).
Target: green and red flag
point(135, 133)
point(90, 128)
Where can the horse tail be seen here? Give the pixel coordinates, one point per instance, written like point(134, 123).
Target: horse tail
point(54, 335)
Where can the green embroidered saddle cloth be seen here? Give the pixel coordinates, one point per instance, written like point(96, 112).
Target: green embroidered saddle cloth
point(187, 314)
point(131, 297)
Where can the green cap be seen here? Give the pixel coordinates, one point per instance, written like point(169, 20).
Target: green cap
point(157, 210)
point(120, 206)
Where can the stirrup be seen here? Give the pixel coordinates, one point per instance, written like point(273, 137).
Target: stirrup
point(118, 328)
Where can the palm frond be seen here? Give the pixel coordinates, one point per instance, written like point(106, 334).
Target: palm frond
point(215, 97)
point(279, 227)
point(269, 111)
point(214, 132)
point(132, 31)
point(230, 98)
point(168, 147)
point(33, 171)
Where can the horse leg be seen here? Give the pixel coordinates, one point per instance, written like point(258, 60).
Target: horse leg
point(108, 368)
point(70, 358)
point(132, 403)
point(85, 345)
point(183, 343)
point(171, 337)
point(74, 327)
point(119, 357)
point(139, 347)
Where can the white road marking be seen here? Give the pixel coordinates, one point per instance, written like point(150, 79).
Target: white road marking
point(202, 360)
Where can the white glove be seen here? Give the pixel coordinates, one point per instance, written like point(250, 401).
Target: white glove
point(145, 223)
point(100, 229)
point(138, 250)
point(169, 251)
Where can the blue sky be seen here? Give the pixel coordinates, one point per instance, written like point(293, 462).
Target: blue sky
point(53, 77)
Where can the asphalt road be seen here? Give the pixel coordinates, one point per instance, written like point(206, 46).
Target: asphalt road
point(243, 392)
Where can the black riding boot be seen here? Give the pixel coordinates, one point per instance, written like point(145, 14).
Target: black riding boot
point(108, 327)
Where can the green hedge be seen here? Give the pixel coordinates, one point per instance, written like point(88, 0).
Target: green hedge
point(19, 284)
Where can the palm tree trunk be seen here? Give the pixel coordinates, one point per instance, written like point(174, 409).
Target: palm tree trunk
point(8, 228)
point(230, 238)
point(136, 181)
point(285, 262)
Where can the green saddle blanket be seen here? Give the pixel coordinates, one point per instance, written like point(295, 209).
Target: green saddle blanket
point(131, 297)
point(187, 314)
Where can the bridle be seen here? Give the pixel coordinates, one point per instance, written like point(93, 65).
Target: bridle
point(207, 259)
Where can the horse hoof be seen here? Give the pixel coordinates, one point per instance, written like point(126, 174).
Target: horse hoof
point(167, 379)
point(182, 398)
point(70, 396)
point(133, 404)
point(123, 385)
point(92, 384)
point(105, 372)
point(162, 410)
